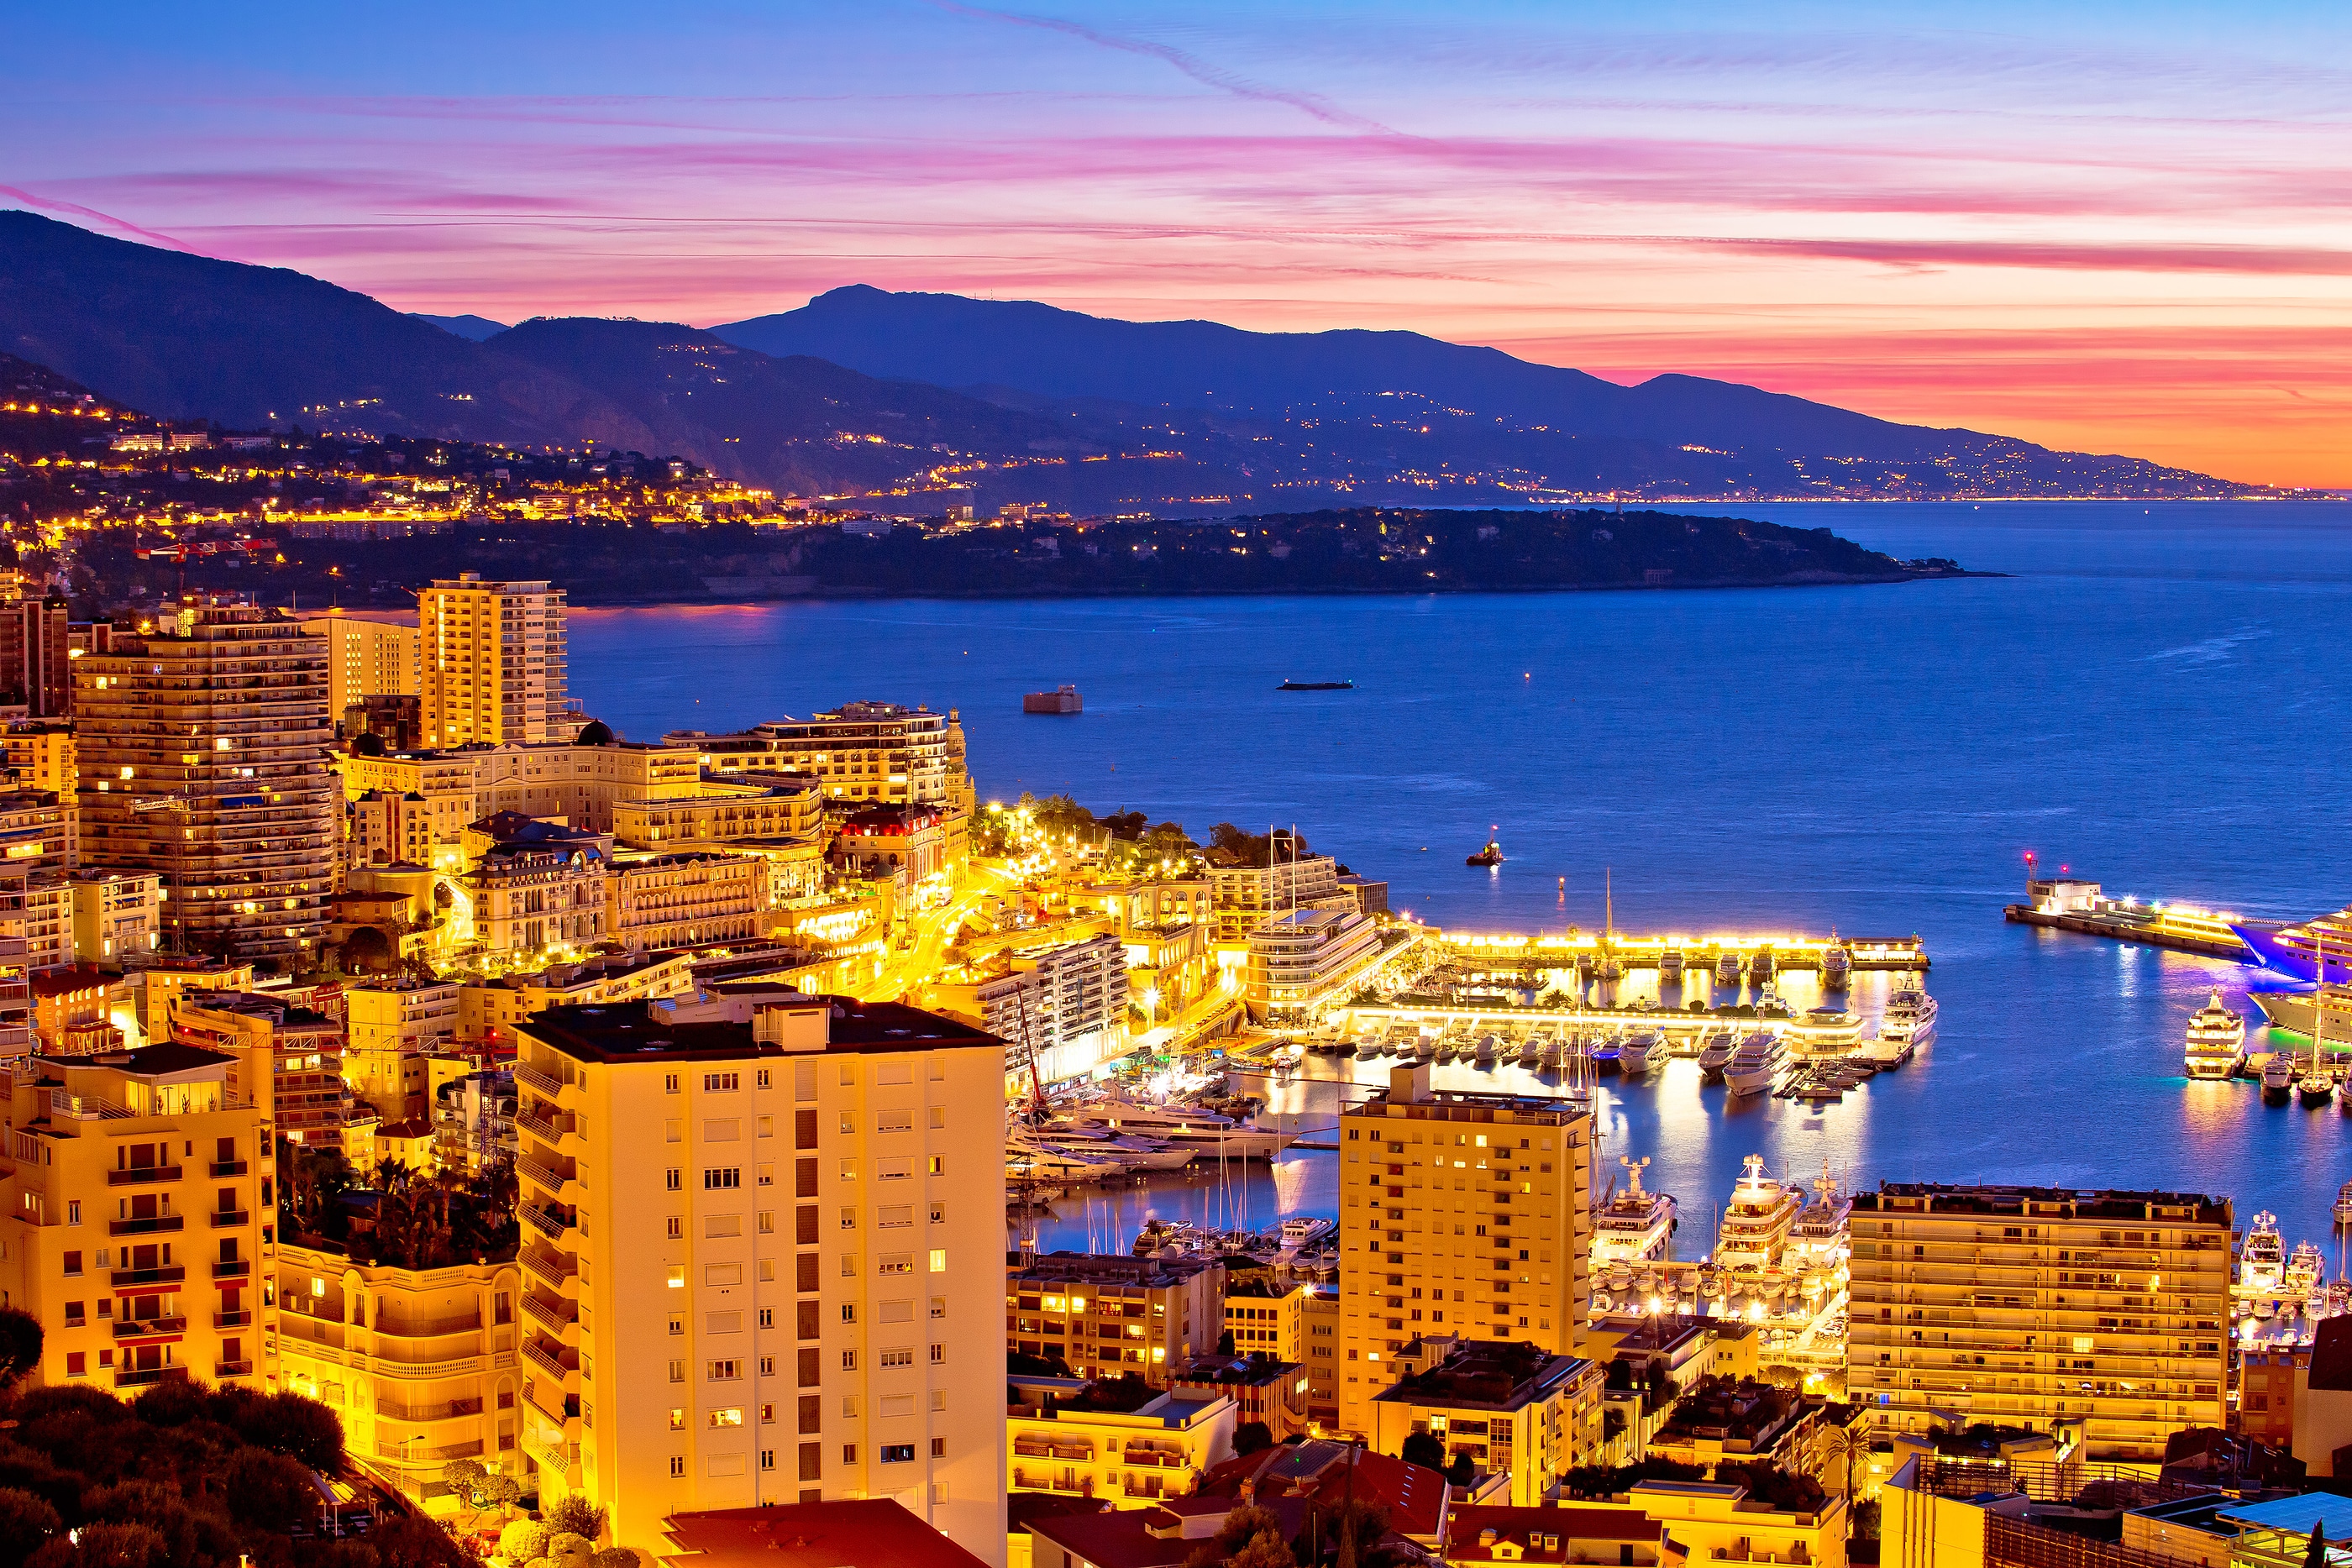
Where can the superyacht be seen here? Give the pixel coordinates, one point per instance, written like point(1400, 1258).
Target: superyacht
point(1910, 1017)
point(1635, 1226)
point(1758, 1221)
point(1755, 1064)
point(2216, 1040)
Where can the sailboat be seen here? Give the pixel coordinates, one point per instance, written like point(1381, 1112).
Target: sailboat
point(1609, 970)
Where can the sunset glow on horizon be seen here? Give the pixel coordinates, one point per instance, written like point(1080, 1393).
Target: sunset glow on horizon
point(2104, 228)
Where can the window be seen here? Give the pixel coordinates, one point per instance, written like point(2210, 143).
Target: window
point(676, 1324)
point(717, 1225)
point(677, 1227)
point(849, 1170)
point(767, 1126)
point(897, 1453)
point(896, 1263)
point(724, 1371)
point(902, 1121)
point(849, 1311)
point(728, 1416)
point(848, 1122)
point(849, 1453)
point(849, 1219)
point(77, 1364)
point(721, 1178)
point(72, 1263)
point(938, 1307)
point(939, 1447)
point(939, 1214)
point(939, 1115)
point(767, 1459)
point(902, 1355)
point(674, 1178)
point(763, 1080)
point(767, 1176)
point(768, 1369)
point(717, 1082)
point(938, 1355)
point(722, 1323)
point(677, 1466)
point(677, 1372)
point(767, 1316)
point(848, 1361)
point(669, 1082)
point(677, 1418)
point(674, 1132)
point(938, 1164)
point(678, 1277)
point(73, 1211)
point(804, 1081)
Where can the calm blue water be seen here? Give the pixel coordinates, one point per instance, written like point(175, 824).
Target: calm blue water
point(2158, 698)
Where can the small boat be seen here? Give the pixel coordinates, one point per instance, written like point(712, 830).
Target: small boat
point(1727, 969)
point(2216, 1040)
point(2317, 1085)
point(2278, 1078)
point(1605, 1057)
point(1492, 855)
point(1317, 687)
point(1532, 1049)
point(1485, 1054)
point(1670, 964)
point(1716, 1055)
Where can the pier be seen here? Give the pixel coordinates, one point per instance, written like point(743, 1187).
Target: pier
point(1523, 954)
point(2083, 908)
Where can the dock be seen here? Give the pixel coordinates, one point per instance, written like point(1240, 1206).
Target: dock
point(2081, 907)
point(1525, 955)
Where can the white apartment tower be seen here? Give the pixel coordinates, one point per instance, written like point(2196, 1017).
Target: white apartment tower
point(493, 662)
point(763, 1255)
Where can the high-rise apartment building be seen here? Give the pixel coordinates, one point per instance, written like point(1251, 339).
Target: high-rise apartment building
point(1067, 1005)
point(291, 1057)
point(1108, 1315)
point(34, 672)
point(866, 753)
point(200, 749)
point(763, 1252)
point(2025, 1306)
point(1460, 1214)
point(389, 1028)
point(140, 1186)
point(492, 661)
point(369, 653)
point(1245, 897)
point(40, 753)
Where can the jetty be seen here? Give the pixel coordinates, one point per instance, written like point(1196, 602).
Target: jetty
point(2084, 908)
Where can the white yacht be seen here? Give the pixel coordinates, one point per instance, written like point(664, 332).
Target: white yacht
point(1204, 1132)
point(2305, 1267)
point(2278, 1078)
point(1910, 1016)
point(1762, 966)
point(2216, 1040)
point(1028, 1156)
point(1828, 1031)
point(1634, 1226)
point(1531, 1049)
point(1727, 969)
point(1638, 1053)
point(1755, 1064)
point(1837, 966)
point(1670, 964)
point(1819, 1239)
point(1715, 1055)
point(2261, 1262)
point(1756, 1222)
point(1484, 1054)
point(1141, 1153)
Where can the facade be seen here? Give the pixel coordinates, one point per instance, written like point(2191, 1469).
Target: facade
point(1266, 1315)
point(1105, 1315)
point(1321, 1313)
point(47, 922)
point(1718, 1522)
point(910, 839)
point(490, 1011)
point(388, 829)
point(1467, 1214)
point(34, 672)
point(864, 753)
point(369, 653)
point(140, 1188)
point(684, 899)
point(117, 914)
point(762, 1237)
point(301, 1052)
point(2026, 1306)
point(525, 900)
point(418, 1364)
point(721, 810)
point(70, 1004)
point(1067, 1005)
point(1067, 1435)
point(492, 662)
point(199, 750)
point(1485, 1533)
point(1510, 1407)
point(40, 753)
point(37, 831)
point(473, 1119)
point(1270, 1393)
point(1305, 959)
point(1246, 896)
point(390, 1029)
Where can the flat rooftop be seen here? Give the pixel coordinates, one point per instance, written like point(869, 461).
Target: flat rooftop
point(616, 1032)
point(2047, 1202)
point(1057, 1269)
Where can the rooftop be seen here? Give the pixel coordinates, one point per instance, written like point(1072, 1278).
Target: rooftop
point(636, 1032)
point(162, 1059)
point(2069, 1203)
point(1414, 1495)
point(1063, 1268)
point(873, 1532)
point(1485, 1374)
point(1541, 1534)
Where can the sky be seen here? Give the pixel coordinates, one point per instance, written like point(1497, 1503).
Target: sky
point(2113, 227)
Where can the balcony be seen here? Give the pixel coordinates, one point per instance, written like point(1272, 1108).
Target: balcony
point(549, 1221)
point(232, 1320)
point(227, 1168)
point(224, 1218)
point(143, 1176)
point(227, 1369)
point(422, 1453)
point(537, 1079)
point(142, 1378)
point(1037, 1449)
point(424, 1415)
point(151, 1225)
point(232, 1269)
point(553, 1365)
point(542, 1128)
point(464, 1322)
point(168, 1274)
point(554, 1269)
point(1145, 1458)
point(560, 1458)
point(558, 1318)
point(542, 1173)
point(149, 1328)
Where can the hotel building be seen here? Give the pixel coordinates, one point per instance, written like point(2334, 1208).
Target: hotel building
point(2030, 1306)
point(1244, 897)
point(493, 662)
point(200, 750)
point(1463, 1214)
point(762, 1247)
point(140, 1186)
point(369, 653)
point(684, 899)
point(860, 754)
point(1067, 1005)
point(1302, 959)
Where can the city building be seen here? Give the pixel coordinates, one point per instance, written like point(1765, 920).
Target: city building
point(721, 810)
point(799, 1202)
point(1510, 1407)
point(140, 1183)
point(1127, 1445)
point(876, 1532)
point(71, 1003)
point(302, 1050)
point(1102, 1314)
point(1490, 1533)
point(524, 901)
point(2317, 1394)
point(388, 829)
point(910, 841)
point(48, 922)
point(492, 662)
point(2273, 1385)
point(1266, 1316)
point(684, 899)
point(40, 753)
point(369, 653)
point(2027, 1306)
point(473, 1118)
point(1321, 1313)
point(34, 674)
point(391, 1028)
point(117, 914)
point(1303, 960)
point(1243, 897)
point(199, 748)
point(1065, 1006)
point(490, 1011)
point(165, 977)
point(1266, 1392)
point(1719, 1521)
point(418, 1364)
point(1467, 1214)
point(37, 831)
point(861, 753)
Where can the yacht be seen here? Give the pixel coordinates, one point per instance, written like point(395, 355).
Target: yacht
point(1638, 1053)
point(2216, 1040)
point(1910, 1016)
point(2316, 1085)
point(1837, 966)
point(2278, 1078)
point(1828, 1030)
point(2306, 1268)
point(1141, 1153)
point(1485, 1054)
point(1424, 1046)
point(1727, 969)
point(1605, 1057)
point(1762, 967)
point(1819, 1239)
point(1302, 1231)
point(2344, 1204)
point(1716, 1054)
point(1670, 964)
point(1028, 1156)
point(1634, 1226)
point(2261, 1262)
point(1531, 1049)
point(1756, 1222)
point(1185, 1126)
point(1755, 1064)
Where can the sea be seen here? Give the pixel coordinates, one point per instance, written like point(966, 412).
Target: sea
point(2154, 697)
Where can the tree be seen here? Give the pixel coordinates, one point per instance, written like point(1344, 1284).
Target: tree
point(1462, 1472)
point(412, 1541)
point(1225, 1342)
point(1264, 1550)
point(498, 1492)
point(574, 1515)
point(463, 1477)
point(1423, 1448)
point(26, 1521)
point(524, 1539)
point(103, 1546)
point(1865, 1521)
point(567, 1549)
point(269, 1491)
point(1251, 1436)
point(614, 1557)
point(20, 1344)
